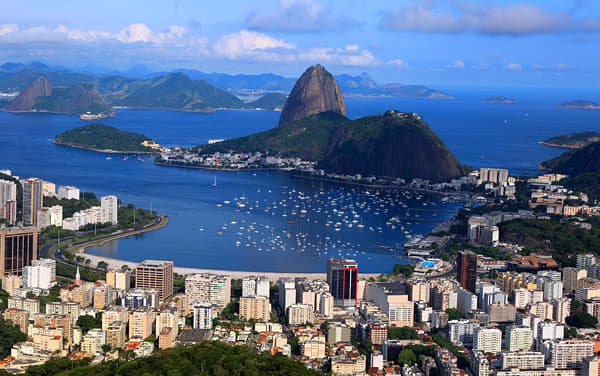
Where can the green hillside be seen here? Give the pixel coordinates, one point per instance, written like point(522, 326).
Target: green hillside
point(174, 91)
point(74, 100)
point(270, 101)
point(573, 140)
point(208, 358)
point(103, 137)
point(576, 162)
point(305, 138)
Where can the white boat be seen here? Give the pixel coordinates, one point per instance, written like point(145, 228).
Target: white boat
point(215, 183)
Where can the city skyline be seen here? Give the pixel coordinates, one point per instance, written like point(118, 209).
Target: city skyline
point(519, 43)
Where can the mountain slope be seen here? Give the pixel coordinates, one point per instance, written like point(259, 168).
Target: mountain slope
point(175, 91)
point(394, 144)
point(576, 162)
point(315, 91)
point(41, 95)
point(270, 101)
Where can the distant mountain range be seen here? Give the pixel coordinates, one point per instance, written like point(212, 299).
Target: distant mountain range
point(17, 76)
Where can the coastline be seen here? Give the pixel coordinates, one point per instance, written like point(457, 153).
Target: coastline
point(105, 151)
point(577, 146)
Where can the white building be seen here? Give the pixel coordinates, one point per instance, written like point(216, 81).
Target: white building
point(466, 301)
point(43, 218)
point(567, 353)
point(204, 287)
point(519, 338)
point(300, 314)
point(326, 305)
point(287, 293)
point(584, 261)
point(56, 215)
point(561, 309)
point(110, 209)
point(461, 331)
point(550, 331)
point(41, 274)
point(203, 316)
point(68, 193)
point(522, 360)
point(255, 286)
point(552, 289)
point(487, 340)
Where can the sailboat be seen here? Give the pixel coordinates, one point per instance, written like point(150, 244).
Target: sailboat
point(215, 183)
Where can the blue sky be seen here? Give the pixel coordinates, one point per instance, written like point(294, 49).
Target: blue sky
point(452, 42)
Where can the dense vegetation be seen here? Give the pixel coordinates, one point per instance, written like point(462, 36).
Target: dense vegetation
point(404, 332)
point(9, 335)
point(579, 103)
point(74, 100)
point(208, 358)
point(104, 137)
point(582, 320)
point(574, 139)
point(576, 162)
point(587, 183)
point(562, 240)
point(390, 145)
point(86, 322)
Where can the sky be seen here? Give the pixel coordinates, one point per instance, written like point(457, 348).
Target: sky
point(547, 43)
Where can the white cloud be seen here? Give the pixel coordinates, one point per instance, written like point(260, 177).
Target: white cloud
point(398, 63)
point(490, 19)
point(513, 66)
point(246, 43)
point(456, 64)
point(352, 47)
point(8, 28)
point(557, 66)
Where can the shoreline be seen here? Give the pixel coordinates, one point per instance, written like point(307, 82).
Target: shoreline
point(561, 146)
point(105, 151)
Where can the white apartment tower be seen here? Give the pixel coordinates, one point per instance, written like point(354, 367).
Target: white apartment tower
point(110, 209)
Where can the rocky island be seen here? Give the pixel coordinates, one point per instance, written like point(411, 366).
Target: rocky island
point(314, 132)
point(572, 140)
point(107, 139)
point(499, 99)
point(580, 103)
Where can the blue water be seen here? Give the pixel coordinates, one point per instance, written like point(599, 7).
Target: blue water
point(428, 264)
point(474, 131)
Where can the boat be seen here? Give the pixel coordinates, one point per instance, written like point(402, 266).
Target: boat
point(215, 183)
point(385, 247)
point(108, 158)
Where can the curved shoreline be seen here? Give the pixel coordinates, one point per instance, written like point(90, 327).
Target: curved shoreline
point(562, 146)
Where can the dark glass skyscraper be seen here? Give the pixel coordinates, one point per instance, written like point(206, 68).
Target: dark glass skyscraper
point(466, 270)
point(342, 277)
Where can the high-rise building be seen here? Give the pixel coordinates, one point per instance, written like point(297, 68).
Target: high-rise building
point(584, 261)
point(56, 215)
point(561, 309)
point(300, 314)
point(525, 360)
point(8, 196)
point(255, 286)
point(570, 277)
point(204, 287)
point(567, 353)
point(119, 279)
point(140, 322)
point(18, 249)
point(519, 338)
point(40, 274)
point(167, 318)
point(33, 200)
point(157, 275)
point(342, 277)
point(466, 270)
point(257, 308)
point(203, 316)
point(9, 212)
point(287, 293)
point(44, 218)
point(487, 340)
point(461, 331)
point(110, 209)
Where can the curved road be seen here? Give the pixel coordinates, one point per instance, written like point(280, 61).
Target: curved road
point(45, 250)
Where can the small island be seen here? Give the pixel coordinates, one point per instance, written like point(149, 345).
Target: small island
point(580, 103)
point(572, 140)
point(107, 139)
point(499, 99)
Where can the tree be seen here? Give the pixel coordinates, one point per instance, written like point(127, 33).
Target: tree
point(575, 304)
point(106, 348)
point(454, 314)
point(407, 357)
point(325, 325)
point(404, 332)
point(102, 265)
point(87, 322)
point(404, 269)
point(582, 320)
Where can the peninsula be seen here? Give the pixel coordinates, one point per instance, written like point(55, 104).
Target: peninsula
point(499, 99)
point(580, 103)
point(572, 140)
point(107, 139)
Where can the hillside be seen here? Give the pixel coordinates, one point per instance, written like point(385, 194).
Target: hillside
point(175, 91)
point(394, 144)
point(305, 138)
point(572, 140)
point(103, 137)
point(207, 358)
point(315, 91)
point(41, 95)
point(411, 91)
point(270, 101)
point(576, 162)
point(580, 103)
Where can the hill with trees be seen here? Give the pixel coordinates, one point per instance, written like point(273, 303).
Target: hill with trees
point(101, 137)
